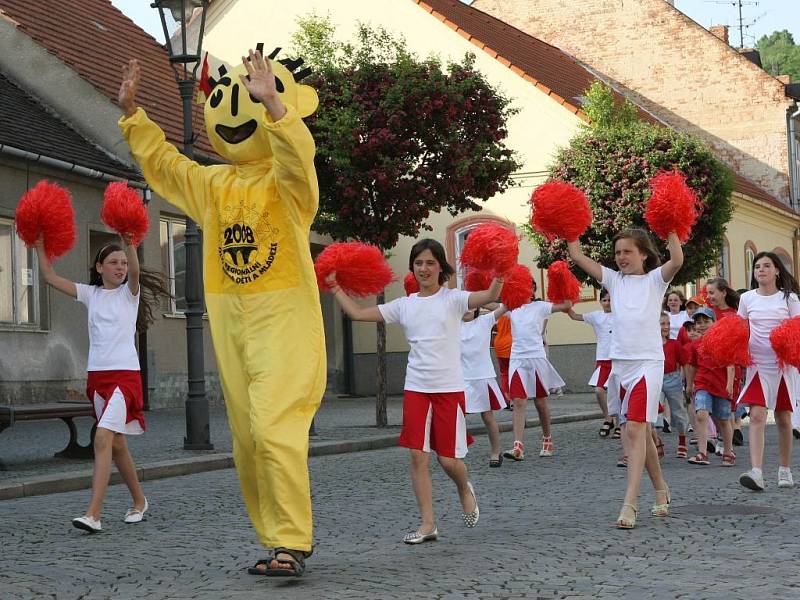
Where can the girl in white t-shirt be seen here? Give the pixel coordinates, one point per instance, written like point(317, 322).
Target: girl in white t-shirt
point(483, 395)
point(530, 374)
point(116, 310)
point(675, 307)
point(773, 298)
point(433, 398)
point(600, 320)
point(637, 357)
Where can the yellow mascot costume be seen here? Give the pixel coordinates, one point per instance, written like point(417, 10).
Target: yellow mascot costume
point(260, 288)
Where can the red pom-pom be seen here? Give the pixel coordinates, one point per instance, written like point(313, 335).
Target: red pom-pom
point(490, 247)
point(673, 205)
point(726, 342)
point(410, 284)
point(518, 287)
point(562, 285)
point(477, 281)
point(785, 340)
point(560, 210)
point(46, 211)
point(361, 269)
point(124, 212)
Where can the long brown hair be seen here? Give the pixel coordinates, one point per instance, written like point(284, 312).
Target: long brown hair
point(643, 242)
point(438, 253)
point(731, 297)
point(152, 286)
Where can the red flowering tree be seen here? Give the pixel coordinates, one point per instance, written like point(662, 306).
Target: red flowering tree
point(397, 139)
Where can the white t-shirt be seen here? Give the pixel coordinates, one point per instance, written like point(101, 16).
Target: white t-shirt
point(636, 306)
point(676, 321)
point(433, 329)
point(527, 323)
point(476, 336)
point(601, 322)
point(765, 313)
point(112, 327)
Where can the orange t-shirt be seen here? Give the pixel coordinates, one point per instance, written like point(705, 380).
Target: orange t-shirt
point(502, 340)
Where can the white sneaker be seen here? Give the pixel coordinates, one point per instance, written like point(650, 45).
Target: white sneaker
point(87, 523)
point(785, 479)
point(134, 515)
point(719, 448)
point(752, 481)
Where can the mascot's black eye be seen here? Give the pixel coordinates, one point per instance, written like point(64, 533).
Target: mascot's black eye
point(279, 85)
point(216, 98)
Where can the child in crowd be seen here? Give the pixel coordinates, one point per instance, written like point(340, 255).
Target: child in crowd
point(637, 356)
point(711, 388)
point(433, 398)
point(530, 373)
point(502, 350)
point(675, 307)
point(772, 299)
point(600, 320)
point(483, 395)
point(117, 310)
point(672, 386)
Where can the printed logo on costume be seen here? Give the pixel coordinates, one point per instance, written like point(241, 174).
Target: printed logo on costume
point(248, 244)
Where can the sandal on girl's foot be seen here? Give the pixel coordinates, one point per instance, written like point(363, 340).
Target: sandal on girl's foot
point(623, 461)
point(660, 448)
point(617, 433)
point(606, 428)
point(517, 453)
point(471, 518)
point(701, 458)
point(548, 449)
point(682, 452)
point(295, 559)
point(627, 522)
point(494, 463)
point(662, 509)
point(728, 460)
point(415, 537)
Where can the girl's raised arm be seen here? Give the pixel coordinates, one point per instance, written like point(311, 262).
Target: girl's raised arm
point(351, 307)
point(670, 268)
point(62, 285)
point(133, 265)
point(591, 267)
point(477, 299)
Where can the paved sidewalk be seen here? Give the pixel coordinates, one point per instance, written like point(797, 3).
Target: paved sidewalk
point(342, 425)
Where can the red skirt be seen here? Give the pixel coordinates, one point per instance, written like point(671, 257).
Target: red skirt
point(129, 383)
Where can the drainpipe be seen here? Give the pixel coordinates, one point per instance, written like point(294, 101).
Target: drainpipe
point(70, 167)
point(794, 176)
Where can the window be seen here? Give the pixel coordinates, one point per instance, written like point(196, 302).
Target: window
point(750, 252)
point(785, 259)
point(19, 281)
point(460, 239)
point(724, 261)
point(173, 260)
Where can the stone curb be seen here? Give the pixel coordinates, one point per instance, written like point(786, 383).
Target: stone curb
point(81, 480)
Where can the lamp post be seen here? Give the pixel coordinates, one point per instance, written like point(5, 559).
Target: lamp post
point(185, 50)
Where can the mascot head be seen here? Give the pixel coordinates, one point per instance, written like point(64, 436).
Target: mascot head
point(234, 118)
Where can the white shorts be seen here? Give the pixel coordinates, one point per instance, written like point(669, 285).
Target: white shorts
point(112, 415)
point(634, 389)
point(532, 378)
point(483, 395)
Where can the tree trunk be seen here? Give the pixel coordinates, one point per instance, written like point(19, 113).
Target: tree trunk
point(380, 387)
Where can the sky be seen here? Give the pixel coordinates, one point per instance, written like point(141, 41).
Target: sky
point(761, 16)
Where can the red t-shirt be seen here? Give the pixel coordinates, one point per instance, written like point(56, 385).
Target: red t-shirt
point(672, 356)
point(723, 312)
point(708, 376)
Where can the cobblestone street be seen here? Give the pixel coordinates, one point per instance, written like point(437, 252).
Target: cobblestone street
point(546, 531)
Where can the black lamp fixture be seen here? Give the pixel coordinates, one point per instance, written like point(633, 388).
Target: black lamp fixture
point(184, 51)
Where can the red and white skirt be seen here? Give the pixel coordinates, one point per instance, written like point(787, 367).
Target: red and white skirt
point(117, 399)
point(600, 376)
point(483, 395)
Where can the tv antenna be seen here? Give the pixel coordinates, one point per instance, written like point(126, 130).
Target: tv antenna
point(738, 4)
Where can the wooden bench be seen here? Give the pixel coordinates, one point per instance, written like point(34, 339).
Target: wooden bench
point(66, 411)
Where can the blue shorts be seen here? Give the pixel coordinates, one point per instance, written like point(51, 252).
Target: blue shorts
point(714, 405)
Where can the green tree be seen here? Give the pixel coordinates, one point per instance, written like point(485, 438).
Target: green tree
point(398, 138)
point(613, 160)
point(779, 54)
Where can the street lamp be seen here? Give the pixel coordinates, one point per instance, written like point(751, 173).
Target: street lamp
point(185, 50)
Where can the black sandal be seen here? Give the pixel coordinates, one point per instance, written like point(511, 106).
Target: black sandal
point(297, 563)
point(617, 433)
point(496, 462)
point(605, 430)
